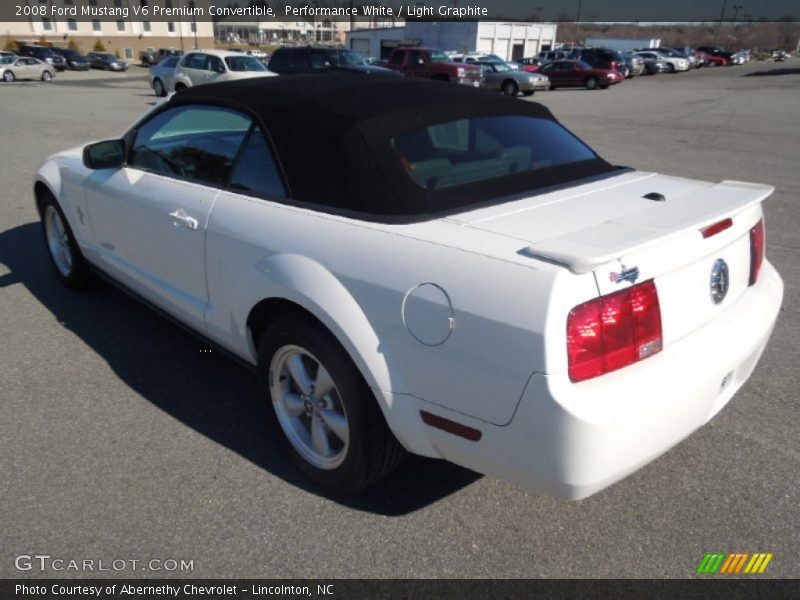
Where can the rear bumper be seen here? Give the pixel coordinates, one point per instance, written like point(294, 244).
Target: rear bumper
point(572, 440)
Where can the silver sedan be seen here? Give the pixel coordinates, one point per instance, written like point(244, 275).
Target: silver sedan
point(161, 75)
point(25, 67)
point(500, 76)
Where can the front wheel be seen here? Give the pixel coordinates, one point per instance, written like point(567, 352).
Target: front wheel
point(47, 76)
point(158, 88)
point(328, 417)
point(8, 76)
point(66, 257)
point(591, 83)
point(510, 88)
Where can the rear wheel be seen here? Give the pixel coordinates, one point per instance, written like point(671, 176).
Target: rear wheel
point(670, 68)
point(328, 417)
point(9, 76)
point(66, 257)
point(510, 88)
point(47, 76)
point(591, 83)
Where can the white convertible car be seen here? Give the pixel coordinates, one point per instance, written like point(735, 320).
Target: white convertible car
point(411, 266)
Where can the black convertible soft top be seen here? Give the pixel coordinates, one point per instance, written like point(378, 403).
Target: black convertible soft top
point(331, 134)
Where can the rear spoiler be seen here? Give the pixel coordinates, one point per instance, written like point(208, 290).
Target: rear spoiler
point(583, 251)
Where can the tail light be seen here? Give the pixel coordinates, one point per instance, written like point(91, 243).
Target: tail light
point(756, 250)
point(613, 331)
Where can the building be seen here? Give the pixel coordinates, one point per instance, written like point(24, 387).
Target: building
point(623, 45)
point(126, 37)
point(325, 31)
point(510, 41)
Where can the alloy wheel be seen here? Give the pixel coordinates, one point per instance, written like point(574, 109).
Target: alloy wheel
point(308, 407)
point(58, 241)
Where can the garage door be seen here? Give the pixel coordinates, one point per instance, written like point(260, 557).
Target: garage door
point(360, 45)
point(486, 45)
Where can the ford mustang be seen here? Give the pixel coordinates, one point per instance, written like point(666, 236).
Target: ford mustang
point(412, 267)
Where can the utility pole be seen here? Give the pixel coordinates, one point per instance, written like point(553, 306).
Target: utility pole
point(721, 16)
point(578, 19)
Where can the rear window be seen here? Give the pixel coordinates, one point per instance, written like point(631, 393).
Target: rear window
point(473, 150)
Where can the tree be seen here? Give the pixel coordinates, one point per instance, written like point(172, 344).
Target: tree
point(11, 45)
point(73, 45)
point(99, 46)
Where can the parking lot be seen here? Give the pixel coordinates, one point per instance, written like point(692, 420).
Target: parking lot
point(123, 439)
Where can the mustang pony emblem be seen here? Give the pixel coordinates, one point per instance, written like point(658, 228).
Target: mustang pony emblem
point(631, 275)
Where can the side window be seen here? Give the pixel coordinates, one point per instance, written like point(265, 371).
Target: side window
point(279, 61)
point(256, 171)
point(396, 58)
point(193, 142)
point(215, 64)
point(415, 57)
point(196, 61)
point(319, 61)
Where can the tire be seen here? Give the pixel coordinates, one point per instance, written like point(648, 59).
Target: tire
point(591, 83)
point(47, 76)
point(528, 92)
point(9, 77)
point(158, 88)
point(670, 68)
point(712, 63)
point(65, 255)
point(626, 73)
point(510, 88)
point(341, 441)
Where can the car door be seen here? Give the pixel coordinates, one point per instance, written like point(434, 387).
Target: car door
point(149, 217)
point(215, 69)
point(196, 68)
point(415, 64)
point(492, 78)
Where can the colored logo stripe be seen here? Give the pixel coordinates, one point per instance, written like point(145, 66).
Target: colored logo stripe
point(733, 563)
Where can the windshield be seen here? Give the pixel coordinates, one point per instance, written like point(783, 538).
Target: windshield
point(477, 149)
point(437, 56)
point(501, 67)
point(244, 63)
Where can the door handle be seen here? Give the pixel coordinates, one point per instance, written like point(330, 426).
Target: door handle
point(181, 216)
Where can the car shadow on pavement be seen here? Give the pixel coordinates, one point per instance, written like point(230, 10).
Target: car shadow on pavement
point(773, 72)
point(203, 390)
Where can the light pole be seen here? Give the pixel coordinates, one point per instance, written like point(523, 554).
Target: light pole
point(736, 9)
point(539, 12)
point(577, 20)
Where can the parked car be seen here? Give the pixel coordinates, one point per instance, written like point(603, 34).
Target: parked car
point(213, 66)
point(779, 55)
point(25, 67)
point(308, 59)
point(499, 76)
point(653, 64)
point(716, 56)
point(150, 57)
point(259, 54)
point(430, 63)
point(7, 53)
point(630, 65)
point(44, 54)
point(548, 56)
point(530, 65)
point(373, 298)
point(601, 58)
point(576, 73)
point(162, 75)
point(74, 59)
point(106, 61)
point(676, 60)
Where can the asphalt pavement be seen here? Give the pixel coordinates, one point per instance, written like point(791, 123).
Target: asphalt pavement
point(122, 439)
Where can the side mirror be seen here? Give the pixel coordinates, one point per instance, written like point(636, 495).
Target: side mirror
point(104, 155)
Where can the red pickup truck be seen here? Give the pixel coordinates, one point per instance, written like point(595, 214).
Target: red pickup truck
point(432, 64)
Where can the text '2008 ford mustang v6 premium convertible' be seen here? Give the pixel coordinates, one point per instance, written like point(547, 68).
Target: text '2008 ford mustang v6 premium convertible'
point(412, 266)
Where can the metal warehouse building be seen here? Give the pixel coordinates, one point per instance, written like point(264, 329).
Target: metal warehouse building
point(510, 41)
